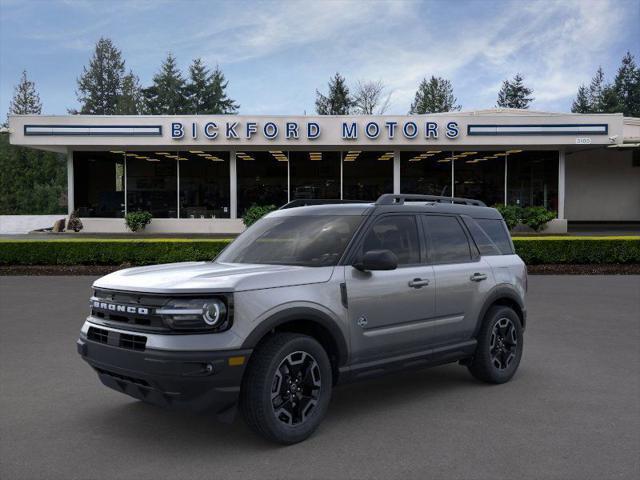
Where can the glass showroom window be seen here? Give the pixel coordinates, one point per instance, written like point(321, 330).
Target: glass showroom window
point(99, 183)
point(204, 184)
point(426, 172)
point(261, 179)
point(314, 175)
point(532, 178)
point(152, 183)
point(366, 175)
point(480, 175)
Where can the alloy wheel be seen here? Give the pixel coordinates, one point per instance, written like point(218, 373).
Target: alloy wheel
point(504, 343)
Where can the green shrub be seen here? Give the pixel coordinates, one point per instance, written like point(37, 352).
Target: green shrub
point(107, 252)
point(534, 217)
point(510, 213)
point(137, 220)
point(578, 250)
point(255, 213)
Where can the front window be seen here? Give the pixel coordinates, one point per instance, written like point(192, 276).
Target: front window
point(309, 241)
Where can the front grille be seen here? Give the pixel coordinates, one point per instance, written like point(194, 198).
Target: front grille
point(122, 340)
point(117, 376)
point(128, 310)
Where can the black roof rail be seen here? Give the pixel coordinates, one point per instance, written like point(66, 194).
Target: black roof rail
point(304, 202)
point(393, 199)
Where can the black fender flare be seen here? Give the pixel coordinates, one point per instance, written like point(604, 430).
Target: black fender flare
point(498, 293)
point(301, 313)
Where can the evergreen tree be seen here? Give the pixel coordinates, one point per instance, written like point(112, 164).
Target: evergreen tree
point(130, 101)
point(627, 86)
point(25, 99)
point(167, 95)
point(514, 94)
point(100, 85)
point(581, 104)
point(596, 91)
point(206, 91)
point(338, 101)
point(433, 96)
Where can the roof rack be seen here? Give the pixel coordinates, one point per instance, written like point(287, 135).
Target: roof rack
point(393, 199)
point(304, 202)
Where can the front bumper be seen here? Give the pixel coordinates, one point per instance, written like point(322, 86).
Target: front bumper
point(196, 381)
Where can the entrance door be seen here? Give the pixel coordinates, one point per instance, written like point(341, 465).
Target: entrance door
point(389, 310)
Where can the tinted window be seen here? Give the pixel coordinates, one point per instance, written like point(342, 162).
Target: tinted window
point(310, 241)
point(448, 242)
point(498, 233)
point(396, 233)
point(480, 237)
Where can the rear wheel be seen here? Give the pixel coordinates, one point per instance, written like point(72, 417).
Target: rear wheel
point(287, 388)
point(499, 348)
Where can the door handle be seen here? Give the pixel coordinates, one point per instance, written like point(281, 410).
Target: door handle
point(478, 277)
point(418, 283)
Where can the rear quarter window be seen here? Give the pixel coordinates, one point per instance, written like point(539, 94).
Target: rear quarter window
point(497, 231)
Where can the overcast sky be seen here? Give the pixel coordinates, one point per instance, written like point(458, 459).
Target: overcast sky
point(275, 54)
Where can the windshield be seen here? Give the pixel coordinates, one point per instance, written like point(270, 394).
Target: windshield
point(310, 241)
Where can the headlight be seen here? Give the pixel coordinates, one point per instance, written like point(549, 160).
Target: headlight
point(198, 314)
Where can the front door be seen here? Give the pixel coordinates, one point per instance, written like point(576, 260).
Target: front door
point(389, 310)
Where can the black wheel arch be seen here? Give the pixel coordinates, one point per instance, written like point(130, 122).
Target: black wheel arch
point(503, 295)
point(308, 321)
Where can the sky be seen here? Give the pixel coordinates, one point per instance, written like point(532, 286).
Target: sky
point(276, 54)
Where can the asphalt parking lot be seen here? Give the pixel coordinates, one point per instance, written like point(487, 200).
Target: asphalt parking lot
point(571, 412)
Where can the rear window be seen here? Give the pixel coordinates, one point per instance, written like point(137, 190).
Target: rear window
point(497, 231)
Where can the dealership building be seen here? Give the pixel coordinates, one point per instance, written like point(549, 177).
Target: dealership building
point(200, 173)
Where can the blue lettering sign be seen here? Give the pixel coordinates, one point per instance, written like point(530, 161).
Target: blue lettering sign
point(177, 130)
point(372, 130)
point(452, 130)
point(432, 130)
point(391, 128)
point(313, 130)
point(292, 130)
point(210, 130)
point(252, 127)
point(349, 132)
point(410, 130)
point(231, 130)
point(194, 130)
point(270, 130)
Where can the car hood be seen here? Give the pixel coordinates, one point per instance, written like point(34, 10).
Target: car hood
point(210, 277)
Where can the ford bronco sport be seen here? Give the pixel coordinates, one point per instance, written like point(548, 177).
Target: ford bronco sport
point(309, 297)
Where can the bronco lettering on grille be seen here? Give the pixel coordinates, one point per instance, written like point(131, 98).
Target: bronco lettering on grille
point(120, 308)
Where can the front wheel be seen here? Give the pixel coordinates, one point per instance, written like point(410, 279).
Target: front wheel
point(287, 387)
point(499, 348)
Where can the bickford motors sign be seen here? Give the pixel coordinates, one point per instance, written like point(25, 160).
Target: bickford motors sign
point(294, 130)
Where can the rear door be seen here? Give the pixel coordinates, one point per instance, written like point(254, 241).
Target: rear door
point(389, 310)
point(462, 278)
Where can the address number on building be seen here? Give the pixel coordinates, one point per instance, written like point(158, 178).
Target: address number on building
point(583, 141)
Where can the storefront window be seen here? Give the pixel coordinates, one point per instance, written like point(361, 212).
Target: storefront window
point(314, 175)
point(152, 183)
point(204, 184)
point(262, 179)
point(532, 179)
point(366, 175)
point(99, 184)
point(480, 175)
point(426, 172)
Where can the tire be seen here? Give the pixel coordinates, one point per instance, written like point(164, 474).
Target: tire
point(500, 344)
point(286, 363)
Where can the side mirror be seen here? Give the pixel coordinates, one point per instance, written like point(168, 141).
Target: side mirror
point(377, 260)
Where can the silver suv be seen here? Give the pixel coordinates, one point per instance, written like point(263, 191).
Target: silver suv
point(310, 297)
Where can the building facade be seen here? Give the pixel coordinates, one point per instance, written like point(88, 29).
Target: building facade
point(201, 173)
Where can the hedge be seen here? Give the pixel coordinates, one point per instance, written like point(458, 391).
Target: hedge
point(533, 250)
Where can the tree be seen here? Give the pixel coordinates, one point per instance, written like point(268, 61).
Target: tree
point(206, 92)
point(596, 91)
point(370, 98)
point(581, 104)
point(514, 94)
point(100, 85)
point(167, 95)
point(627, 86)
point(25, 99)
point(130, 101)
point(338, 101)
point(434, 95)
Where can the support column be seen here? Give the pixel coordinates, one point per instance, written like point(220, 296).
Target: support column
point(233, 185)
point(70, 183)
point(396, 172)
point(561, 178)
point(506, 173)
